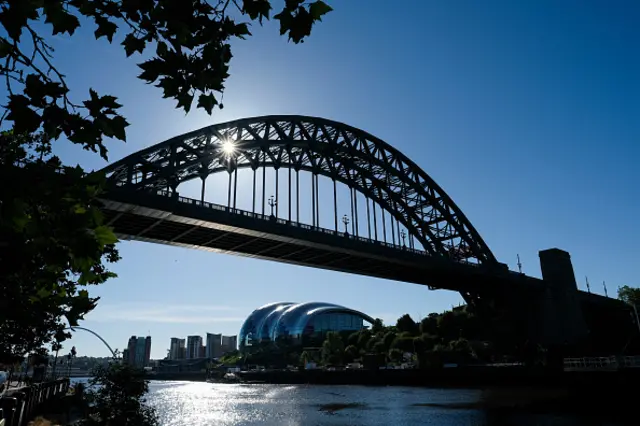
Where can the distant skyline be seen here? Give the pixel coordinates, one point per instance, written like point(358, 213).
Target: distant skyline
point(525, 113)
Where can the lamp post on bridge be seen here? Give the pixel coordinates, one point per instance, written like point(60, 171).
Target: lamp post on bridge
point(272, 203)
point(403, 235)
point(345, 220)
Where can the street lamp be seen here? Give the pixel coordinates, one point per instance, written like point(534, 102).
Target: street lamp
point(403, 234)
point(345, 220)
point(272, 203)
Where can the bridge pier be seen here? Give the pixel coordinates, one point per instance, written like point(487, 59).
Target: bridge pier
point(556, 320)
point(561, 316)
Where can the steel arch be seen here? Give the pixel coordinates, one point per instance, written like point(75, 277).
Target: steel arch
point(95, 334)
point(322, 147)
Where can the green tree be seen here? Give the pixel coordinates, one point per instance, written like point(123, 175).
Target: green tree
point(448, 326)
point(403, 343)
point(424, 343)
point(377, 326)
point(395, 355)
point(407, 324)
point(374, 340)
point(53, 244)
point(363, 339)
point(388, 339)
point(332, 349)
point(379, 347)
point(429, 324)
point(351, 353)
point(629, 295)
point(353, 338)
point(116, 397)
point(50, 223)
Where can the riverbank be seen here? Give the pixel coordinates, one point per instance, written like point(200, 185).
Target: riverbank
point(463, 377)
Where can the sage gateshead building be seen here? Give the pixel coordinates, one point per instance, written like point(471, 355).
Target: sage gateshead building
point(297, 323)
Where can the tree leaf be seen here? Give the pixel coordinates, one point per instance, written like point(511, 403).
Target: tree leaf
point(61, 20)
point(25, 120)
point(241, 30)
point(185, 99)
point(257, 9)
point(319, 8)
point(5, 48)
point(207, 101)
point(133, 44)
point(42, 293)
point(118, 125)
point(105, 28)
point(104, 235)
point(109, 101)
point(151, 69)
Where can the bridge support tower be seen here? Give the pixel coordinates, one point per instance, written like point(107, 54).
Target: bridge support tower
point(557, 318)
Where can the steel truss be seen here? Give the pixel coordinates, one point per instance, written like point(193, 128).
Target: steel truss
point(322, 147)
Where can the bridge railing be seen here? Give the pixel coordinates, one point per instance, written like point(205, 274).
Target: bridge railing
point(602, 363)
point(301, 225)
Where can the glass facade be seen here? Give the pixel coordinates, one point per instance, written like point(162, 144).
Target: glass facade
point(251, 331)
point(278, 322)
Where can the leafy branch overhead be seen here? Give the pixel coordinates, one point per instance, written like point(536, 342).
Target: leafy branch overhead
point(53, 244)
point(190, 40)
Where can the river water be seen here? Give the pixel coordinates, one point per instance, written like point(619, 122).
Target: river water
point(209, 404)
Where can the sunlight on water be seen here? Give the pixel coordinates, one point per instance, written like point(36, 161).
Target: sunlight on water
point(206, 404)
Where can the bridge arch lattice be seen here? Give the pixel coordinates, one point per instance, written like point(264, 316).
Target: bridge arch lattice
point(338, 151)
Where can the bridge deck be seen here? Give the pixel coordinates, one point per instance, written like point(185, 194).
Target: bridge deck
point(190, 223)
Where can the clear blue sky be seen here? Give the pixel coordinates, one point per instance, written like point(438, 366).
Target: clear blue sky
point(526, 112)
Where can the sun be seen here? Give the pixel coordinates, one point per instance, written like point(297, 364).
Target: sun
point(228, 147)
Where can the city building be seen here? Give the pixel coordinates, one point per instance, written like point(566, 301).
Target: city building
point(298, 323)
point(194, 345)
point(177, 348)
point(130, 357)
point(138, 351)
point(229, 344)
point(214, 345)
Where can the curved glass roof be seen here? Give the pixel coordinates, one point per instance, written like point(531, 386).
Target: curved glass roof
point(253, 324)
point(281, 319)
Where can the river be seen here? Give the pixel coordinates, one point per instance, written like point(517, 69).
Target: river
point(208, 404)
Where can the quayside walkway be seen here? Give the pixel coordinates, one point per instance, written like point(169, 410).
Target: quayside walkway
point(19, 405)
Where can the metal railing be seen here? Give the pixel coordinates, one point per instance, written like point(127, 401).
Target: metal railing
point(259, 216)
point(602, 363)
point(20, 405)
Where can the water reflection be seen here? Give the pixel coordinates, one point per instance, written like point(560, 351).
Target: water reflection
point(204, 404)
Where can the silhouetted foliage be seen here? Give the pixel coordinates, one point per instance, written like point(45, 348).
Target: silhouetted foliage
point(351, 353)
point(395, 355)
point(629, 295)
point(403, 343)
point(388, 339)
point(116, 397)
point(187, 44)
point(377, 326)
point(53, 243)
point(429, 325)
point(407, 324)
point(332, 349)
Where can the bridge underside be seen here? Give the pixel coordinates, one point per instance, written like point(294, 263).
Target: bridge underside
point(190, 223)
